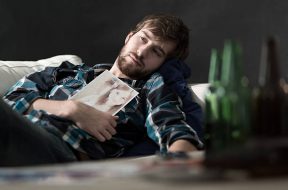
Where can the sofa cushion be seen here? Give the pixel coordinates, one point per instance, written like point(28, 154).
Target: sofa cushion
point(12, 71)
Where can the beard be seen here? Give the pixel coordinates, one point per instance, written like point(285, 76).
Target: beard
point(130, 69)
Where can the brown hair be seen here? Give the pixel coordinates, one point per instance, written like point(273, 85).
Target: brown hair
point(168, 27)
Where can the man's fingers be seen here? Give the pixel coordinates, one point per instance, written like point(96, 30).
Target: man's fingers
point(106, 134)
point(113, 123)
point(99, 136)
point(111, 130)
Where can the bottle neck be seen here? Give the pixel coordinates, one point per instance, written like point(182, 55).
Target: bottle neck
point(215, 66)
point(231, 70)
point(269, 68)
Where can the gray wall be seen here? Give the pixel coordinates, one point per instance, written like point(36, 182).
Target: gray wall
point(95, 29)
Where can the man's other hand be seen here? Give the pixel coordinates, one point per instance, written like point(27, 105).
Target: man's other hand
point(97, 123)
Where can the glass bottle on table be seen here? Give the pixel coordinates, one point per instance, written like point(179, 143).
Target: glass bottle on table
point(269, 96)
point(212, 101)
point(234, 96)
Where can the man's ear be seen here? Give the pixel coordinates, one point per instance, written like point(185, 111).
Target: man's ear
point(128, 37)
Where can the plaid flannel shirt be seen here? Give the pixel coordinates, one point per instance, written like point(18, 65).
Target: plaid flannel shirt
point(155, 112)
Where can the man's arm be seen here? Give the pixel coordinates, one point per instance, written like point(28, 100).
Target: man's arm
point(36, 90)
point(166, 121)
point(99, 124)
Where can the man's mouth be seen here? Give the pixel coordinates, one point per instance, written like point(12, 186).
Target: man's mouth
point(135, 59)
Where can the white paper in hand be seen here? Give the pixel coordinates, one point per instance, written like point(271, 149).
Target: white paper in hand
point(106, 93)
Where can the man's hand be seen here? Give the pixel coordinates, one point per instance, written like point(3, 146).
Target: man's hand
point(182, 146)
point(97, 123)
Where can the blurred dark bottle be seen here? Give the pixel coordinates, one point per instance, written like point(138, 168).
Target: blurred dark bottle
point(229, 125)
point(269, 97)
point(211, 100)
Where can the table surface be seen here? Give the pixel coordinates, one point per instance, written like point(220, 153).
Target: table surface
point(137, 173)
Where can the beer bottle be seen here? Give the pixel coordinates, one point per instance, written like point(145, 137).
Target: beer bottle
point(234, 99)
point(268, 97)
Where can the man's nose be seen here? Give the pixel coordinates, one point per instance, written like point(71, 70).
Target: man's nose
point(143, 50)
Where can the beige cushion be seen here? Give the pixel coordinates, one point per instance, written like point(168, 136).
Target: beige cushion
point(12, 71)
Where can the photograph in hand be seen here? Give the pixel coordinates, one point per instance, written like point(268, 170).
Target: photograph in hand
point(106, 93)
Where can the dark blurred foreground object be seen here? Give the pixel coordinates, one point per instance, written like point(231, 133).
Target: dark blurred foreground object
point(265, 153)
point(257, 158)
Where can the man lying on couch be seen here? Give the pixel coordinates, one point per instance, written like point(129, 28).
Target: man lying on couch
point(65, 130)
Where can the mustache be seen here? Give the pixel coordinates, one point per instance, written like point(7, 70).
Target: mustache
point(137, 58)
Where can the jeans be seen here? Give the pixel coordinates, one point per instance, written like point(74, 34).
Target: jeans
point(22, 143)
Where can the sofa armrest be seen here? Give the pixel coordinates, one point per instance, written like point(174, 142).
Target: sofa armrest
point(12, 71)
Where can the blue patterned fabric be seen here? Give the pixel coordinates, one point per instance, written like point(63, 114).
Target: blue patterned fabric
point(154, 113)
point(175, 73)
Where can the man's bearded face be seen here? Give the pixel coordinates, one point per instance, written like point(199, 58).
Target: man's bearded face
point(143, 53)
point(131, 64)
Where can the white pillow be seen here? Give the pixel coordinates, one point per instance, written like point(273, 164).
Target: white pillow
point(12, 71)
point(199, 91)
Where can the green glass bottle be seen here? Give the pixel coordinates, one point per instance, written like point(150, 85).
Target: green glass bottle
point(234, 97)
point(269, 97)
point(211, 101)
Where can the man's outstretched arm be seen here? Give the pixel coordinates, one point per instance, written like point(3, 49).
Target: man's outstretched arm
point(182, 146)
point(166, 122)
